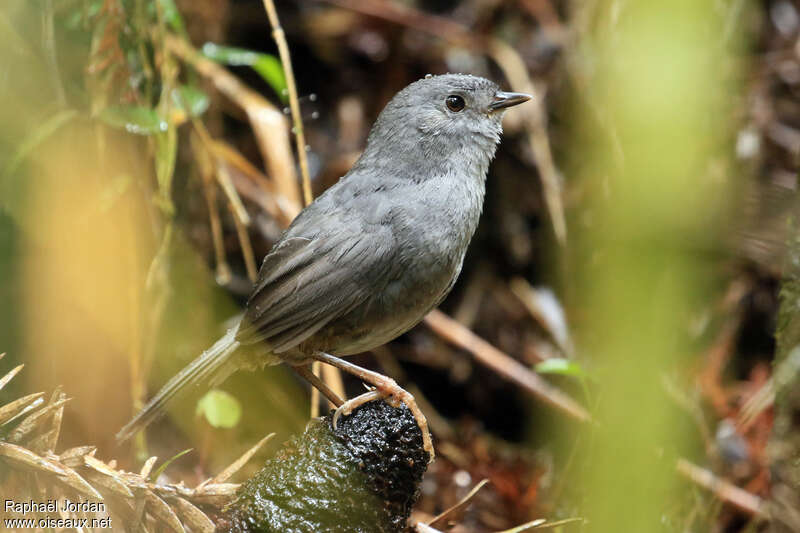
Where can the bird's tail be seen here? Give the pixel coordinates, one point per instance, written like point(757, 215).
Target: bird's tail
point(210, 365)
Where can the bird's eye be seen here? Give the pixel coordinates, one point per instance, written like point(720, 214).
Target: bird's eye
point(454, 103)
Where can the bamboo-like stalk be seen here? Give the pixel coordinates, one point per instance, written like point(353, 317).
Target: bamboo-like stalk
point(294, 104)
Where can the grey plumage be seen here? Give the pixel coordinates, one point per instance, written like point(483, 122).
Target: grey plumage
point(372, 255)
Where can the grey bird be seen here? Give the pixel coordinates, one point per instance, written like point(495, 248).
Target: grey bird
point(370, 257)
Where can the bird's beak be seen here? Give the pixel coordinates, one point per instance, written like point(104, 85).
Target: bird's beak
point(503, 100)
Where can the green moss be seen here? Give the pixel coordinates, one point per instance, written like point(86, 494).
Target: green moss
point(364, 478)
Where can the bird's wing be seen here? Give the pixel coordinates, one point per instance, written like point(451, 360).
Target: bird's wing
point(306, 282)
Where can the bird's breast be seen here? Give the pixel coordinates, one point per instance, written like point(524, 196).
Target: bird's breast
point(431, 235)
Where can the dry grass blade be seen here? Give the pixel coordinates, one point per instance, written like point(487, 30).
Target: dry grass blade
point(439, 520)
point(234, 467)
point(147, 467)
point(511, 369)
point(206, 169)
point(159, 509)
point(192, 516)
point(20, 406)
point(26, 458)
point(8, 377)
point(74, 457)
point(425, 528)
point(236, 205)
point(111, 480)
point(540, 523)
point(215, 493)
point(58, 416)
point(111, 484)
point(23, 457)
point(33, 421)
point(41, 444)
point(546, 310)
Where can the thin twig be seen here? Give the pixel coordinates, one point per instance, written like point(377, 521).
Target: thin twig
point(510, 368)
point(300, 140)
point(439, 520)
point(294, 104)
point(724, 490)
point(206, 165)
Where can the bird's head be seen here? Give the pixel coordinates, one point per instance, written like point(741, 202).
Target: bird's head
point(442, 119)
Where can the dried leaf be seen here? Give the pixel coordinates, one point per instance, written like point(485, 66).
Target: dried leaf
point(216, 493)
point(20, 406)
point(8, 377)
point(25, 458)
point(159, 509)
point(192, 516)
point(33, 421)
point(41, 444)
point(58, 415)
point(148, 467)
point(110, 483)
point(74, 457)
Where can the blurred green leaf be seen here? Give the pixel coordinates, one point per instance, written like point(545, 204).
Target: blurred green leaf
point(563, 367)
point(221, 409)
point(267, 66)
point(160, 470)
point(173, 17)
point(189, 100)
point(134, 119)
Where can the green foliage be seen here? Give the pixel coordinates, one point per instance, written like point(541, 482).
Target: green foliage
point(267, 66)
point(562, 367)
point(191, 100)
point(220, 409)
point(134, 119)
point(160, 470)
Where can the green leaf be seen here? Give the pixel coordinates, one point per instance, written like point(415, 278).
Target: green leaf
point(189, 101)
point(563, 367)
point(134, 119)
point(266, 65)
point(173, 17)
point(221, 409)
point(160, 470)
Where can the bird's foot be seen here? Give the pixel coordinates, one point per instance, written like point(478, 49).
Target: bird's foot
point(387, 389)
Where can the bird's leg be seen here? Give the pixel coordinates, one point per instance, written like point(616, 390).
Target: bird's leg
point(305, 372)
point(385, 388)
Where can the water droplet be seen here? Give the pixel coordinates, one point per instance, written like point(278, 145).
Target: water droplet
point(428, 76)
point(286, 110)
point(284, 92)
point(294, 130)
point(312, 97)
point(308, 148)
point(315, 115)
